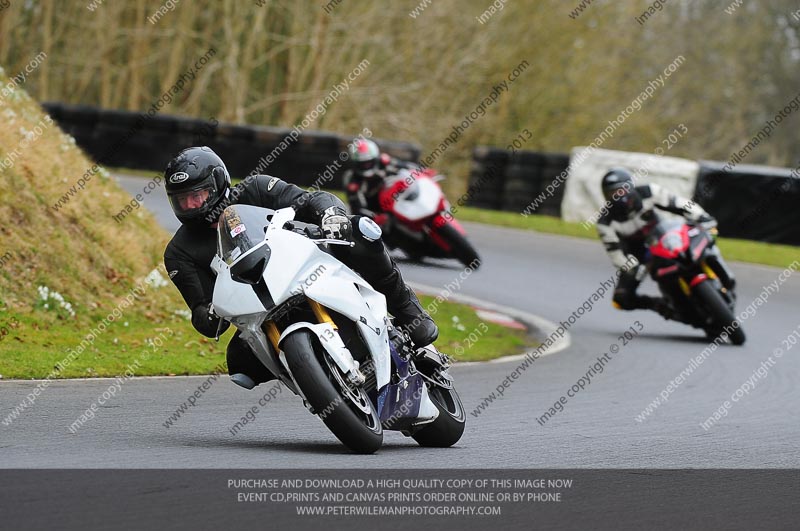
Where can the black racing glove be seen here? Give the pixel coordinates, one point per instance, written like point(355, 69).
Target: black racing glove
point(336, 225)
point(206, 322)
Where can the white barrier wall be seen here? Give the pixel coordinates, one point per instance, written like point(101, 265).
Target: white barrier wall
point(583, 198)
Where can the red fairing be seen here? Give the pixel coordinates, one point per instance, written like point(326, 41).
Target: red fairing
point(666, 270)
point(698, 279)
point(427, 172)
point(699, 249)
point(660, 250)
point(443, 205)
point(387, 196)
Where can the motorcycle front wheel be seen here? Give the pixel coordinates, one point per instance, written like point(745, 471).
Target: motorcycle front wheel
point(721, 314)
point(460, 248)
point(346, 410)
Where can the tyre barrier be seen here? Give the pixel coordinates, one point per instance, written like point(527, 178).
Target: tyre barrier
point(511, 181)
point(136, 140)
point(751, 202)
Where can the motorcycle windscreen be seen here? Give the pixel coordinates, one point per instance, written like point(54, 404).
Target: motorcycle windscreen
point(661, 229)
point(241, 227)
point(668, 239)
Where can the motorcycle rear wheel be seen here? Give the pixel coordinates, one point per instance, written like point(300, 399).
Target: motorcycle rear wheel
point(360, 432)
point(448, 427)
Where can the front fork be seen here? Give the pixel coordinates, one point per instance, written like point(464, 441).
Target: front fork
point(715, 270)
point(719, 268)
point(320, 312)
point(686, 287)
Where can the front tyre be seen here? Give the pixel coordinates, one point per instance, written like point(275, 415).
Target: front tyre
point(460, 248)
point(348, 413)
point(448, 427)
point(721, 314)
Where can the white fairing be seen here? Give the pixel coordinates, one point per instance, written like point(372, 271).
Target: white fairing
point(420, 200)
point(234, 298)
point(427, 409)
point(298, 266)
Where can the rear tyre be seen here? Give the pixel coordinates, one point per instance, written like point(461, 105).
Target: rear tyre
point(339, 409)
point(460, 248)
point(721, 314)
point(448, 427)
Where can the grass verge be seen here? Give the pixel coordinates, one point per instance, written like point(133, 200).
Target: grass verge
point(465, 337)
point(173, 347)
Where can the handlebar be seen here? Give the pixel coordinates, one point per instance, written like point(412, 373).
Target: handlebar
point(313, 233)
point(709, 226)
point(309, 230)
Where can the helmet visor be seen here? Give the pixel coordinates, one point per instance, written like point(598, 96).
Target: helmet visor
point(195, 201)
point(365, 168)
point(625, 198)
point(617, 193)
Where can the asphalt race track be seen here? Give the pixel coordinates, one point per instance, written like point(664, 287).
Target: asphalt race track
point(546, 275)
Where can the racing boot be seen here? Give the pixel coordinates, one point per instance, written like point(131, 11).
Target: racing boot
point(664, 309)
point(371, 260)
point(408, 313)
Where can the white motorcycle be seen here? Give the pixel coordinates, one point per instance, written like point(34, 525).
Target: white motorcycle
point(325, 333)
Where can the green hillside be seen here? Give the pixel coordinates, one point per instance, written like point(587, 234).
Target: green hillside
point(70, 271)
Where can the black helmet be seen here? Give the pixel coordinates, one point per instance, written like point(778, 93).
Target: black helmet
point(196, 182)
point(620, 191)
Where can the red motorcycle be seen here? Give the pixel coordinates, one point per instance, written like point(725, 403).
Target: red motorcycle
point(691, 279)
point(418, 219)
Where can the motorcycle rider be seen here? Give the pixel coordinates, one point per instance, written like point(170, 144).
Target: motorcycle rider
point(199, 189)
point(365, 178)
point(629, 212)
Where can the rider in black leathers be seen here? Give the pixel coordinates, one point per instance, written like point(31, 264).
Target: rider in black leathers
point(198, 186)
